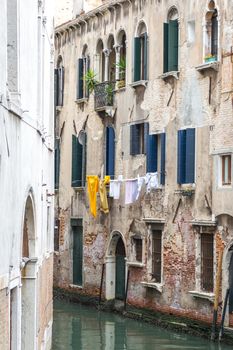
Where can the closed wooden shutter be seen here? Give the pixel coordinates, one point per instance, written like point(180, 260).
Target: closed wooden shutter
point(207, 262)
point(137, 59)
point(190, 156)
point(77, 153)
point(84, 158)
point(80, 78)
point(163, 158)
point(156, 255)
point(152, 154)
point(145, 57)
point(57, 165)
point(55, 87)
point(165, 47)
point(110, 152)
point(181, 156)
point(144, 139)
point(173, 45)
point(134, 139)
point(60, 86)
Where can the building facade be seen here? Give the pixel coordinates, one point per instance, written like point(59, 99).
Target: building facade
point(26, 174)
point(145, 88)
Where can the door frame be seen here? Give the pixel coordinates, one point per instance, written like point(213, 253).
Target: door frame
point(76, 222)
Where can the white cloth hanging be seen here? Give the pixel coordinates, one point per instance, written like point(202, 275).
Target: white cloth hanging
point(131, 191)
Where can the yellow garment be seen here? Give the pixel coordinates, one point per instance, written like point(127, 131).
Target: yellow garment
point(92, 186)
point(103, 196)
point(107, 179)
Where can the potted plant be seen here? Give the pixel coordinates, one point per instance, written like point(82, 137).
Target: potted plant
point(210, 58)
point(122, 68)
point(109, 94)
point(187, 192)
point(90, 79)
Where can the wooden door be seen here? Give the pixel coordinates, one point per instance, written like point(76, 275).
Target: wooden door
point(120, 270)
point(77, 255)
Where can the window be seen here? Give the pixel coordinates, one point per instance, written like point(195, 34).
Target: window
point(156, 255)
point(59, 83)
point(79, 159)
point(110, 152)
point(156, 155)
point(171, 42)
point(100, 61)
point(140, 54)
point(83, 67)
point(137, 248)
point(111, 74)
point(207, 262)
point(57, 164)
point(226, 169)
point(186, 156)
point(211, 34)
point(138, 138)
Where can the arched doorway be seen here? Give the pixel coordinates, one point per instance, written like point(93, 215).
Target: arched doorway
point(120, 270)
point(28, 279)
point(115, 261)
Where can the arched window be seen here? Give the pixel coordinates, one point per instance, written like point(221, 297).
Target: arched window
point(59, 83)
point(83, 71)
point(171, 42)
point(100, 61)
point(140, 53)
point(112, 60)
point(121, 59)
point(211, 33)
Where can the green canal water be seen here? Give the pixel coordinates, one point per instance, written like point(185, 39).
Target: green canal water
point(78, 327)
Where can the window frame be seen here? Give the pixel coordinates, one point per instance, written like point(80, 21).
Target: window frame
point(182, 177)
point(223, 174)
point(203, 281)
point(155, 231)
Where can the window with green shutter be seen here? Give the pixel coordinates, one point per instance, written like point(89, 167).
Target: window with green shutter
point(78, 160)
point(186, 156)
point(141, 54)
point(138, 138)
point(170, 46)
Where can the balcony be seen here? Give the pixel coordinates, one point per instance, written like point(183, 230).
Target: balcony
point(104, 96)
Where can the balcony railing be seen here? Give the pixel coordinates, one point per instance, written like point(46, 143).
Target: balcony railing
point(104, 95)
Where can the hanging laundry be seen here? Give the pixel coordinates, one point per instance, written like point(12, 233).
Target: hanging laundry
point(152, 181)
point(131, 191)
point(141, 181)
point(107, 179)
point(92, 186)
point(115, 187)
point(103, 196)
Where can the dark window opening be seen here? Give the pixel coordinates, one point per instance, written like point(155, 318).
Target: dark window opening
point(138, 138)
point(156, 255)
point(138, 248)
point(207, 262)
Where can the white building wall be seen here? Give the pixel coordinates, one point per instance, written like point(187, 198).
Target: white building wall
point(26, 158)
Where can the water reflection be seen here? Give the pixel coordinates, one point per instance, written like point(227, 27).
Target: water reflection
point(78, 327)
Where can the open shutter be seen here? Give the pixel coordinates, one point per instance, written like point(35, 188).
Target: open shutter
point(55, 87)
point(84, 158)
point(152, 154)
point(110, 151)
point(80, 78)
point(181, 156)
point(145, 58)
point(190, 156)
point(146, 133)
point(77, 153)
point(173, 46)
point(137, 59)
point(57, 165)
point(134, 140)
point(165, 47)
point(60, 85)
point(163, 158)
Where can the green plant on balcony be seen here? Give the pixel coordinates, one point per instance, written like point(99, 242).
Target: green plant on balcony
point(90, 79)
point(210, 58)
point(109, 94)
point(121, 65)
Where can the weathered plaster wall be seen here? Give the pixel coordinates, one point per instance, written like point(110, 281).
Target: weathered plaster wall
point(167, 106)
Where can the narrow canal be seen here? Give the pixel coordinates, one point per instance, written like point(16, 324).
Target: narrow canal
point(78, 327)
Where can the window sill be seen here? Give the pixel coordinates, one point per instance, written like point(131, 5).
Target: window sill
point(153, 285)
point(75, 286)
point(202, 295)
point(225, 187)
point(135, 264)
point(172, 74)
point(154, 220)
point(208, 65)
point(81, 100)
point(135, 84)
point(79, 189)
